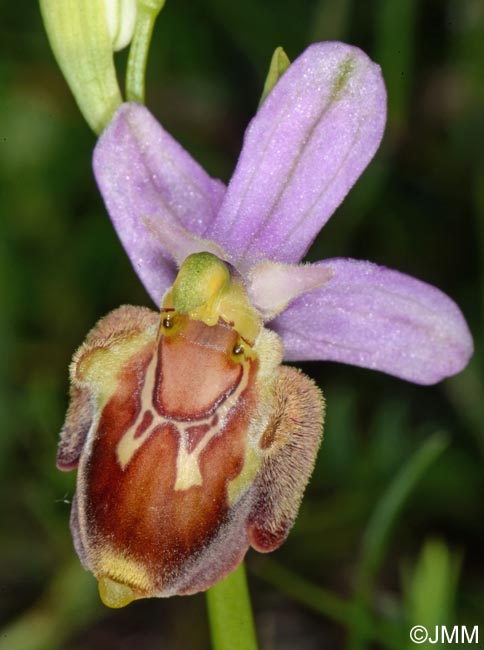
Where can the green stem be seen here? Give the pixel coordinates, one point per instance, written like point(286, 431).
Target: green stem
point(148, 11)
point(230, 613)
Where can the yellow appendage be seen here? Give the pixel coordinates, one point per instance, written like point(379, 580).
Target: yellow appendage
point(115, 594)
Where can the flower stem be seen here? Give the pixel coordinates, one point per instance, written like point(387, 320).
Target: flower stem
point(230, 613)
point(148, 11)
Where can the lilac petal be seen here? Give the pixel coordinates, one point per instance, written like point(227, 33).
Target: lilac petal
point(273, 285)
point(309, 142)
point(141, 170)
point(371, 316)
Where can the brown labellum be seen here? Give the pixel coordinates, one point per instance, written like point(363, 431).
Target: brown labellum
point(191, 446)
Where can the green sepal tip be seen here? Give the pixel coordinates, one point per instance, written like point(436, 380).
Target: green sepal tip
point(278, 66)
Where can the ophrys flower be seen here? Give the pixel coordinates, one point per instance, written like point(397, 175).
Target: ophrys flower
point(193, 441)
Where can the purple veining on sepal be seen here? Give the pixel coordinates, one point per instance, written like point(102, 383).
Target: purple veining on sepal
point(305, 148)
point(370, 316)
point(141, 170)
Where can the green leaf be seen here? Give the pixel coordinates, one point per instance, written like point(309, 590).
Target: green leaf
point(390, 505)
point(383, 521)
point(430, 589)
point(325, 602)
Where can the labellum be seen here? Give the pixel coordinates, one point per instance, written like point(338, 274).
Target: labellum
point(192, 441)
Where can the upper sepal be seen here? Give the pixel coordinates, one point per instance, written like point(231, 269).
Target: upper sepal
point(312, 137)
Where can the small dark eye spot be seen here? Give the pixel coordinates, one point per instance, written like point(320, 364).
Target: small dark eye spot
point(167, 322)
point(238, 349)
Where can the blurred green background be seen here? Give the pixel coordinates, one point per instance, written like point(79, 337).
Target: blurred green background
point(391, 530)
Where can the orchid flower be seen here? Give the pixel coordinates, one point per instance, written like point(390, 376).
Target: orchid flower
point(193, 442)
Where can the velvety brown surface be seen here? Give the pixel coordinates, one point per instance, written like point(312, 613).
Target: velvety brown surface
point(137, 510)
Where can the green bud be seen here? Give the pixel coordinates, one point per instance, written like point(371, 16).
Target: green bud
point(83, 35)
